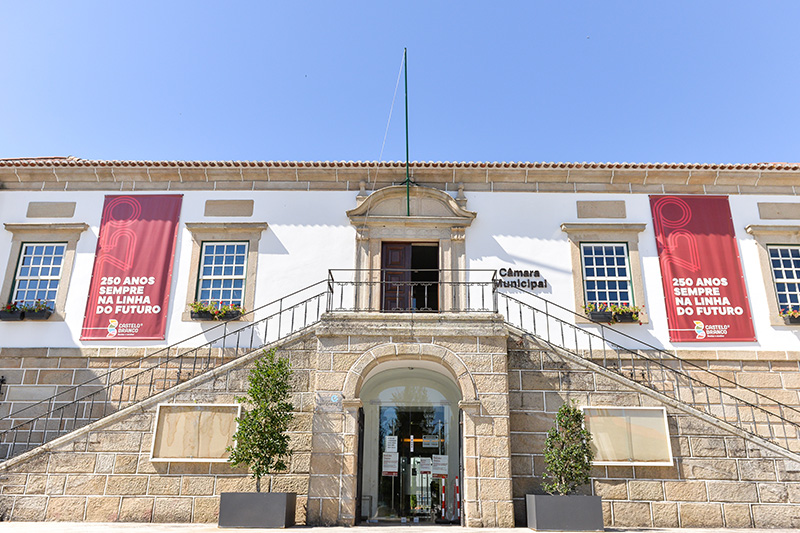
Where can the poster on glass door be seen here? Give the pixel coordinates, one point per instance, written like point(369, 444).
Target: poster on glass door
point(439, 466)
point(425, 465)
point(391, 461)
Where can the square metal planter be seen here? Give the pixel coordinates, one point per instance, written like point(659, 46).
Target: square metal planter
point(257, 509)
point(564, 513)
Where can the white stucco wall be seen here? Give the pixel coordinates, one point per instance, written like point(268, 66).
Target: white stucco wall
point(309, 233)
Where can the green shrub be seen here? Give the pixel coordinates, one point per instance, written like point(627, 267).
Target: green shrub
point(261, 439)
point(567, 453)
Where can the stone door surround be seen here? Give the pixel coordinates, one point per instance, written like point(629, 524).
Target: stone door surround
point(434, 216)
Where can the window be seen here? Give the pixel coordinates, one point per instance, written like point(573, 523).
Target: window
point(785, 263)
point(606, 275)
point(223, 266)
point(220, 270)
point(605, 260)
point(40, 264)
point(38, 273)
point(629, 435)
point(779, 257)
point(194, 432)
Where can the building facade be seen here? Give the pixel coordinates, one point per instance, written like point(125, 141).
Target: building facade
point(434, 329)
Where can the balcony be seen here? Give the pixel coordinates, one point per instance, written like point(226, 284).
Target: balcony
point(412, 290)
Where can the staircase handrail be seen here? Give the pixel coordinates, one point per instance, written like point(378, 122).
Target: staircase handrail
point(180, 352)
point(665, 355)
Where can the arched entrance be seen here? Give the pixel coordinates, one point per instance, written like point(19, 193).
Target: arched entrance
point(410, 456)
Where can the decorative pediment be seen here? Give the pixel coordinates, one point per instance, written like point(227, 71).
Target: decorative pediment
point(390, 206)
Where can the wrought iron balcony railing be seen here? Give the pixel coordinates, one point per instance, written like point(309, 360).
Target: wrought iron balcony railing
point(412, 290)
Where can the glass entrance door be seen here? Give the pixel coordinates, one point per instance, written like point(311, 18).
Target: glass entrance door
point(410, 458)
point(411, 440)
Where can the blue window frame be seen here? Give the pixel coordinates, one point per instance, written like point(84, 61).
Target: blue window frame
point(606, 273)
point(222, 273)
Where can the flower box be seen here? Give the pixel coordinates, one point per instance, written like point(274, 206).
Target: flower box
point(601, 316)
point(624, 317)
point(208, 315)
point(8, 316)
point(37, 315)
point(791, 320)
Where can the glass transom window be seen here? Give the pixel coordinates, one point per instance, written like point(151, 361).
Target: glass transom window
point(38, 273)
point(785, 262)
point(606, 275)
point(222, 273)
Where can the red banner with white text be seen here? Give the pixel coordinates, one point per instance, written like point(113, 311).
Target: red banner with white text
point(129, 292)
point(704, 287)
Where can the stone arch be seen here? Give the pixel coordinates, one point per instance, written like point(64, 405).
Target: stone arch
point(393, 351)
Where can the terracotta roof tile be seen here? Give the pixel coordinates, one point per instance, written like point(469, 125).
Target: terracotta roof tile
point(77, 162)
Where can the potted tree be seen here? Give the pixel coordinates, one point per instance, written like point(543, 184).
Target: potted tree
point(261, 442)
point(568, 460)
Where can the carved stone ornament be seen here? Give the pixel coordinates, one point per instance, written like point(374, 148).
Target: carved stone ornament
point(428, 208)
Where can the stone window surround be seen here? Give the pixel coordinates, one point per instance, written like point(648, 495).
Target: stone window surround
point(69, 233)
point(590, 232)
point(766, 235)
point(223, 231)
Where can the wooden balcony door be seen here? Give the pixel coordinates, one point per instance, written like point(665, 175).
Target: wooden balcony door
point(396, 276)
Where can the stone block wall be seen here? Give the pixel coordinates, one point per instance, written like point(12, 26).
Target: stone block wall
point(104, 474)
point(717, 480)
point(471, 348)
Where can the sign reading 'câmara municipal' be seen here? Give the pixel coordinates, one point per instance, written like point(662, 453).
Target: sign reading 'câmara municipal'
point(513, 278)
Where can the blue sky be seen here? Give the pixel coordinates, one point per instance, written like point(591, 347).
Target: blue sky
point(681, 81)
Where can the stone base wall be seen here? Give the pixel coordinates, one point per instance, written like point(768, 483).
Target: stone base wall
point(717, 480)
point(105, 475)
point(470, 348)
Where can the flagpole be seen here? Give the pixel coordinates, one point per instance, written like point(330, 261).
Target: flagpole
point(408, 178)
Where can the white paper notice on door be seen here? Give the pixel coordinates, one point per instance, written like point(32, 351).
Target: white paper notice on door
point(439, 466)
point(425, 465)
point(390, 463)
point(391, 443)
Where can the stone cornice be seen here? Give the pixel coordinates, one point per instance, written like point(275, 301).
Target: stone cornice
point(80, 175)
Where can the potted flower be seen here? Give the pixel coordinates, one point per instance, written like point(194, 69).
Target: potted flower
point(40, 310)
point(568, 460)
point(599, 312)
point(790, 316)
point(262, 443)
point(12, 311)
point(625, 313)
point(215, 311)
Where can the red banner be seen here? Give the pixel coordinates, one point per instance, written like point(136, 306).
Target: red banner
point(703, 284)
point(129, 293)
